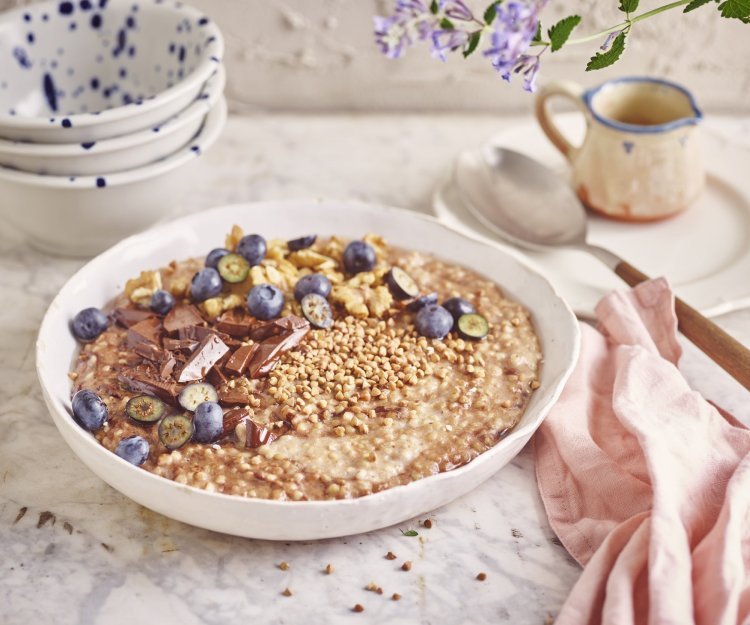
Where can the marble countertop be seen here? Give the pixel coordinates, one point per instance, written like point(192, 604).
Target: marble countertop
point(72, 550)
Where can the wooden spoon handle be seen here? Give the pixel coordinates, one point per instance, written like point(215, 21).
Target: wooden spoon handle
point(723, 349)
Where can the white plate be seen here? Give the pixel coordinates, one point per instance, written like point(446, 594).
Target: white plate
point(102, 278)
point(704, 252)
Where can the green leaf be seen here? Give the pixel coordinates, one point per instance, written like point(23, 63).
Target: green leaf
point(446, 24)
point(538, 35)
point(628, 6)
point(739, 9)
point(472, 43)
point(409, 532)
point(434, 7)
point(611, 56)
point(696, 4)
point(490, 11)
point(560, 32)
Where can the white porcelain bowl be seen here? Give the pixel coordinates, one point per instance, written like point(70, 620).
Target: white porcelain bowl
point(80, 216)
point(87, 70)
point(102, 278)
point(129, 151)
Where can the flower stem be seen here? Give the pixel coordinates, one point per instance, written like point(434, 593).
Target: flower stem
point(621, 26)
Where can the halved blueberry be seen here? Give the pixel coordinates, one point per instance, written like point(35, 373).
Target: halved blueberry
point(253, 248)
point(145, 408)
point(175, 430)
point(312, 283)
point(193, 395)
point(162, 302)
point(214, 256)
point(233, 268)
point(134, 449)
point(89, 324)
point(205, 284)
point(316, 310)
point(359, 256)
point(265, 302)
point(458, 306)
point(401, 284)
point(422, 301)
point(302, 243)
point(433, 321)
point(208, 422)
point(89, 410)
point(473, 326)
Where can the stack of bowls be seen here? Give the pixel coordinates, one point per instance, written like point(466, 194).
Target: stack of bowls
point(105, 107)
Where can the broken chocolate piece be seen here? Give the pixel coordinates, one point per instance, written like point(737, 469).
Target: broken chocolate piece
point(167, 366)
point(182, 316)
point(216, 376)
point(240, 359)
point(235, 322)
point(148, 331)
point(149, 351)
point(127, 317)
point(174, 345)
point(144, 379)
point(267, 329)
point(270, 350)
point(232, 417)
point(205, 356)
point(239, 396)
point(257, 435)
point(198, 333)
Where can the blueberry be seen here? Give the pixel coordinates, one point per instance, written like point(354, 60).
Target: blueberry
point(205, 284)
point(458, 306)
point(359, 256)
point(89, 410)
point(208, 421)
point(312, 283)
point(265, 302)
point(162, 302)
point(433, 321)
point(253, 248)
point(134, 449)
point(422, 301)
point(88, 324)
point(214, 256)
point(302, 243)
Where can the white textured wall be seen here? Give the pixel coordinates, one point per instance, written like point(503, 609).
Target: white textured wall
point(319, 54)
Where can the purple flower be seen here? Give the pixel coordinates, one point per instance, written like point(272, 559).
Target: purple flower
point(610, 38)
point(411, 22)
point(456, 9)
point(447, 40)
point(514, 27)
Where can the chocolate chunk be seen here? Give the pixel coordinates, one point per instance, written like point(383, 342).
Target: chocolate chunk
point(127, 317)
point(149, 351)
point(167, 366)
point(198, 333)
point(239, 396)
point(266, 330)
point(258, 435)
point(231, 418)
point(182, 345)
point(240, 359)
point(235, 322)
point(216, 376)
point(205, 356)
point(148, 331)
point(144, 379)
point(182, 316)
point(269, 351)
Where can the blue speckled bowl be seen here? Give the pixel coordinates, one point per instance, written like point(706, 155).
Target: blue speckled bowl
point(87, 70)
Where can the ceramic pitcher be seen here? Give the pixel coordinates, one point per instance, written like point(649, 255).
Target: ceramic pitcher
point(641, 157)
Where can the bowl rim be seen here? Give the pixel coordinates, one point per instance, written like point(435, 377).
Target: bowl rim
point(208, 133)
point(212, 55)
point(213, 88)
point(151, 236)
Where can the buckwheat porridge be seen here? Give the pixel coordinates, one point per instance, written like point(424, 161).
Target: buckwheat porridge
point(304, 370)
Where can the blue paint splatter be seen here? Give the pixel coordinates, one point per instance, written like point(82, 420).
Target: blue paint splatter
point(172, 48)
point(101, 182)
point(50, 93)
point(203, 21)
point(96, 20)
point(102, 3)
point(210, 40)
point(30, 37)
point(26, 17)
point(66, 123)
point(72, 26)
point(88, 145)
point(157, 129)
point(181, 56)
point(195, 148)
point(130, 21)
point(123, 72)
point(45, 17)
point(122, 38)
point(20, 55)
point(628, 146)
point(94, 83)
point(65, 8)
point(85, 5)
point(216, 59)
point(131, 51)
point(72, 178)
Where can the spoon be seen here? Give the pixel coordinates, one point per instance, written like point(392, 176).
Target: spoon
point(527, 204)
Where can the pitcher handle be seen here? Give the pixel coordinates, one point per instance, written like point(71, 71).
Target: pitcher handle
point(565, 89)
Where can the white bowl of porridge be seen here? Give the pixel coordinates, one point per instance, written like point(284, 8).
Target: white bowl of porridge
point(332, 425)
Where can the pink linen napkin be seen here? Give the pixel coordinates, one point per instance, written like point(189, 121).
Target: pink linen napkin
point(646, 484)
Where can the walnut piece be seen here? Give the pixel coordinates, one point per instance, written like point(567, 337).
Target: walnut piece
point(139, 290)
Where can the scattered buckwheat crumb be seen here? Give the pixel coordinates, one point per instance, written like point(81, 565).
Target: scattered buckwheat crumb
point(358, 608)
point(372, 586)
point(395, 596)
point(482, 576)
point(427, 523)
point(406, 566)
point(390, 556)
point(379, 590)
point(284, 566)
point(329, 569)
point(287, 592)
